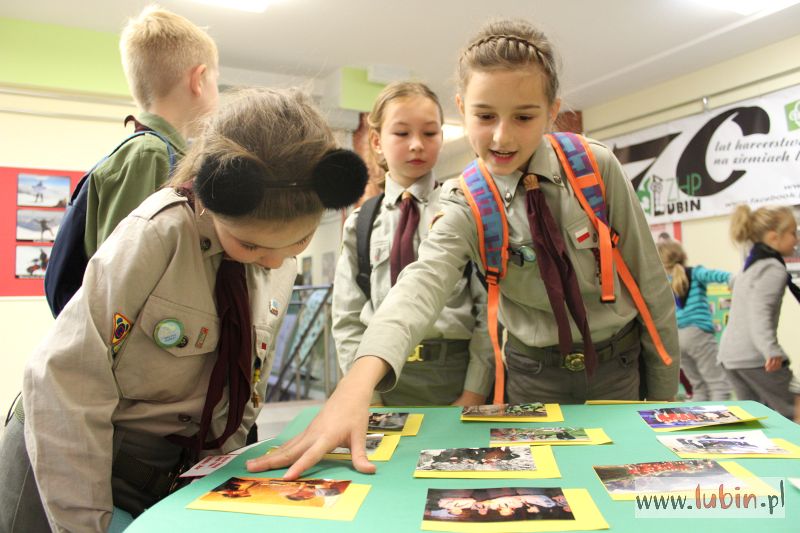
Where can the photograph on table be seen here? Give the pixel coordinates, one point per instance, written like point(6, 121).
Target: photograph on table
point(506, 410)
point(745, 443)
point(43, 191)
point(663, 476)
point(38, 225)
point(387, 421)
point(678, 418)
point(523, 412)
point(326, 499)
point(379, 447)
point(548, 435)
point(502, 504)
point(505, 458)
point(373, 441)
point(31, 261)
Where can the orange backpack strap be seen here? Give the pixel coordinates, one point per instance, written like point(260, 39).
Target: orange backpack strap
point(584, 177)
point(490, 218)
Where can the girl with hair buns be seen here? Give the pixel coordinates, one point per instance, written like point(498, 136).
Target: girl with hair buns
point(508, 96)
point(162, 355)
point(756, 364)
point(695, 328)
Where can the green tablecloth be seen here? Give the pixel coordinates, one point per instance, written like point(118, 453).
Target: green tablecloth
point(396, 500)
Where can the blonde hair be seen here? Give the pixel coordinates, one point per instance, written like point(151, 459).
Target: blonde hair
point(158, 47)
point(395, 91)
point(277, 135)
point(752, 226)
point(674, 259)
point(509, 44)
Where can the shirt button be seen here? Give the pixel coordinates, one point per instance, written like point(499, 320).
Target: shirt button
point(508, 196)
point(205, 243)
point(184, 418)
point(557, 179)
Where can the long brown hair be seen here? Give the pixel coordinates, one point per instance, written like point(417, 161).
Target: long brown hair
point(674, 259)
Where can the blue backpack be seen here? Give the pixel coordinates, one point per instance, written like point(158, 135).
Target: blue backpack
point(67, 264)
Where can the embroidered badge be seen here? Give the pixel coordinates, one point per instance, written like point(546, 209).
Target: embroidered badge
point(121, 328)
point(273, 306)
point(582, 234)
point(263, 345)
point(201, 338)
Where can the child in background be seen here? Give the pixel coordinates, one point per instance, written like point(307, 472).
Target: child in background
point(172, 69)
point(756, 364)
point(159, 358)
point(454, 364)
point(695, 329)
point(508, 95)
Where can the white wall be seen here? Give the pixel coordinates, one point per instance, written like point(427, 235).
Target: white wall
point(761, 71)
point(28, 140)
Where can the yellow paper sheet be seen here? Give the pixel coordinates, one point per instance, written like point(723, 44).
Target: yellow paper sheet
point(553, 411)
point(345, 508)
point(743, 416)
point(587, 517)
point(413, 423)
point(596, 436)
point(794, 453)
point(383, 452)
point(546, 467)
point(751, 483)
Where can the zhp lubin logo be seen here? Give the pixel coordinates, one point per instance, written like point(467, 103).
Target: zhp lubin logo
point(793, 115)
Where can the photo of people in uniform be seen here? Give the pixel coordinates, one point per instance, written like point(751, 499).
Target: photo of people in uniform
point(502, 504)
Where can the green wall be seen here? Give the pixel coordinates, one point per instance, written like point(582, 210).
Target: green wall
point(57, 57)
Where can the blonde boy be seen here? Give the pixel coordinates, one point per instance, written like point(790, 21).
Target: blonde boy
point(172, 69)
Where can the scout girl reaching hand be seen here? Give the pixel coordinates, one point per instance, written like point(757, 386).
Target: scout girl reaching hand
point(158, 356)
point(508, 95)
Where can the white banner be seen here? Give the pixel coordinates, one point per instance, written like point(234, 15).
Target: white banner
point(705, 164)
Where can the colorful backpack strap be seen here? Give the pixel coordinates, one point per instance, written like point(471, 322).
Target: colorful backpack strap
point(584, 177)
point(490, 216)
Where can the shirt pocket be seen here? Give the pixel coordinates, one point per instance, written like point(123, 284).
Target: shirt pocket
point(582, 246)
point(380, 277)
point(146, 371)
point(523, 282)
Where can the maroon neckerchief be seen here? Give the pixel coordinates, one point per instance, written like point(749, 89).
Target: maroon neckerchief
point(557, 273)
point(234, 353)
point(138, 126)
point(403, 251)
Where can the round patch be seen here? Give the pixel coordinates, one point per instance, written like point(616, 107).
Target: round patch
point(527, 254)
point(168, 333)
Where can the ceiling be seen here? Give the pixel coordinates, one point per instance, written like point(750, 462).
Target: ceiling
point(608, 48)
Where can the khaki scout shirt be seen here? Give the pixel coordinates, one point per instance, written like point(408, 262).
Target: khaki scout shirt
point(120, 183)
point(160, 263)
point(464, 313)
point(524, 307)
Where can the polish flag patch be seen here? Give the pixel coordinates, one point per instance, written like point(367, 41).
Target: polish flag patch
point(582, 234)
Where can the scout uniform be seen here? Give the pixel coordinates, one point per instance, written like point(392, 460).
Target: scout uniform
point(138, 169)
point(457, 352)
point(128, 362)
point(537, 371)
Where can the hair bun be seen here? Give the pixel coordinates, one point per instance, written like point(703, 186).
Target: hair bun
point(340, 178)
point(233, 188)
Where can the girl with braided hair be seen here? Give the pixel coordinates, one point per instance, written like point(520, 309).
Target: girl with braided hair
point(508, 96)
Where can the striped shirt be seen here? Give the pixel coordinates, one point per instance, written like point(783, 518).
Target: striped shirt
point(696, 311)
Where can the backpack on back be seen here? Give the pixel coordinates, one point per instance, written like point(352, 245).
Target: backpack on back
point(490, 217)
point(68, 261)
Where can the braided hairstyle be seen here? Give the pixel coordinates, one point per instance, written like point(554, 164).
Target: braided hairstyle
point(509, 44)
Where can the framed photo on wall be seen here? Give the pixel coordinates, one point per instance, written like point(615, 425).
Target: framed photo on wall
point(38, 225)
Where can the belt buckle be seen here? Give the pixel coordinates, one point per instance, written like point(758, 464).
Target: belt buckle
point(416, 355)
point(574, 362)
